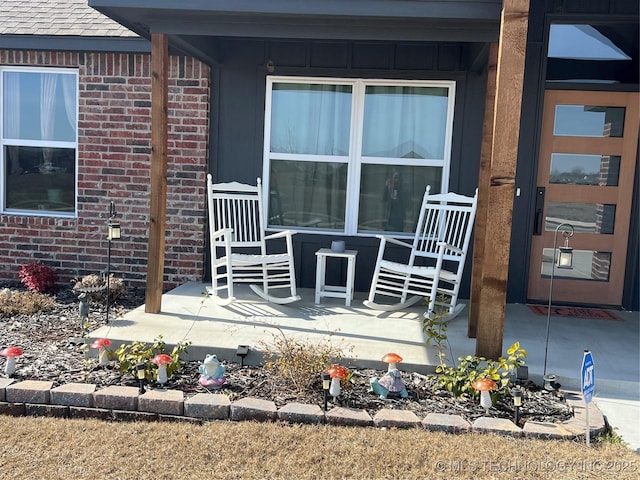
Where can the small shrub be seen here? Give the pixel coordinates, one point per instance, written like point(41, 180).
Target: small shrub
point(298, 362)
point(130, 354)
point(23, 303)
point(95, 287)
point(458, 380)
point(38, 277)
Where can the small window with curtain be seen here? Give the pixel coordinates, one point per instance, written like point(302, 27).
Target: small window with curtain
point(353, 156)
point(39, 140)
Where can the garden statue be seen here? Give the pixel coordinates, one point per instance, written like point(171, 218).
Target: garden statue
point(211, 372)
point(391, 382)
point(84, 310)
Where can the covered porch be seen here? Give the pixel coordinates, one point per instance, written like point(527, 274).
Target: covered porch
point(365, 335)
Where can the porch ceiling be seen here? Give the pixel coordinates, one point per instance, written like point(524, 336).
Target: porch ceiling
point(189, 23)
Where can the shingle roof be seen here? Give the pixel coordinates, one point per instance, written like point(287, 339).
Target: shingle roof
point(57, 17)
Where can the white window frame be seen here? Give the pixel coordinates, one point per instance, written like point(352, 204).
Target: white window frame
point(355, 159)
point(37, 143)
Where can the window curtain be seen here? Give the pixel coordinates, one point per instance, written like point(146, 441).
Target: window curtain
point(311, 119)
point(11, 100)
point(70, 104)
point(48, 82)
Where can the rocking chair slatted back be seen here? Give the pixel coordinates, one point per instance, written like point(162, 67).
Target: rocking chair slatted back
point(444, 218)
point(237, 207)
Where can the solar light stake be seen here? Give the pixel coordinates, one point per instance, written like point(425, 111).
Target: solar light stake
point(517, 402)
point(113, 233)
point(242, 351)
point(565, 260)
point(326, 383)
point(140, 373)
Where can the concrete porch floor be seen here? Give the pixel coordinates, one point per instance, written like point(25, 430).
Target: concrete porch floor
point(365, 335)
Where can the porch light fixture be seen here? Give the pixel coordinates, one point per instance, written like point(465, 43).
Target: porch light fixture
point(565, 260)
point(141, 374)
point(114, 231)
point(242, 351)
point(326, 384)
point(565, 255)
point(516, 393)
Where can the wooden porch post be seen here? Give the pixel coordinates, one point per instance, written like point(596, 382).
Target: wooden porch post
point(483, 191)
point(504, 153)
point(158, 194)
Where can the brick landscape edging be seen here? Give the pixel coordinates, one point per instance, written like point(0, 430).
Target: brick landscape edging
point(121, 403)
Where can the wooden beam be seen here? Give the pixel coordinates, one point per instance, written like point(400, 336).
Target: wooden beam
point(484, 178)
point(158, 193)
point(504, 154)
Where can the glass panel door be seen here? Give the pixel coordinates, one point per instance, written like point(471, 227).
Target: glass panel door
point(585, 180)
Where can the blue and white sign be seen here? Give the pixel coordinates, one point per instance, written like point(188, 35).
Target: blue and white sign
point(588, 374)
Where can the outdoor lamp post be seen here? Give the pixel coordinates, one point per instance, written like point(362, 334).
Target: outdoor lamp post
point(326, 383)
point(113, 233)
point(140, 374)
point(565, 261)
point(517, 402)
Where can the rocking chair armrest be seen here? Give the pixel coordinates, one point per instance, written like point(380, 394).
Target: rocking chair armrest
point(446, 246)
point(284, 233)
point(221, 233)
point(394, 241)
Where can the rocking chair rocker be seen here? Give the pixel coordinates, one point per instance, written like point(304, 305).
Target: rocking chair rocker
point(436, 260)
point(239, 246)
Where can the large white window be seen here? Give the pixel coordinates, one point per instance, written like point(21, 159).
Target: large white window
point(353, 156)
point(39, 142)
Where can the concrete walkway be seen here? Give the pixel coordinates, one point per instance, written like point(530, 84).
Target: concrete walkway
point(366, 335)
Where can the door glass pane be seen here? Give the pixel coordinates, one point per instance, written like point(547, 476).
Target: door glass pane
point(405, 122)
point(41, 179)
point(588, 121)
point(575, 169)
point(307, 194)
point(390, 196)
point(47, 98)
point(587, 265)
point(585, 217)
point(311, 119)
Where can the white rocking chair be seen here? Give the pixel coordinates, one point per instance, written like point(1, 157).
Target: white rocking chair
point(239, 248)
point(436, 258)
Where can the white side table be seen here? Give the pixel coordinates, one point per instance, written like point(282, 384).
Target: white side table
point(324, 290)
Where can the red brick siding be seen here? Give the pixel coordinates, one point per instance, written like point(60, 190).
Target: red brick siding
point(114, 135)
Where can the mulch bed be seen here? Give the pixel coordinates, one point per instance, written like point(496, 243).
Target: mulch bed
point(53, 353)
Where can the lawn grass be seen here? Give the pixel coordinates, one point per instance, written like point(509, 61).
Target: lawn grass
point(42, 447)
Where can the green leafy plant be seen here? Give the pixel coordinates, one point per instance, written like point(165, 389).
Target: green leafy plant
point(38, 277)
point(23, 303)
point(435, 328)
point(131, 354)
point(298, 362)
point(458, 380)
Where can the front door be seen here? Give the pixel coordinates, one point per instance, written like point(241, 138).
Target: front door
point(585, 180)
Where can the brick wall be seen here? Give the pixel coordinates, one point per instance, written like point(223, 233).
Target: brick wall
point(114, 138)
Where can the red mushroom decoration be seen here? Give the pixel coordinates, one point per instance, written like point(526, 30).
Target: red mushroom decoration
point(337, 373)
point(162, 360)
point(102, 344)
point(392, 359)
point(485, 385)
point(11, 353)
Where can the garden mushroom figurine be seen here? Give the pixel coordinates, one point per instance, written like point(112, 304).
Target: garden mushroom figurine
point(11, 353)
point(392, 359)
point(391, 382)
point(161, 360)
point(337, 373)
point(485, 385)
point(102, 344)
